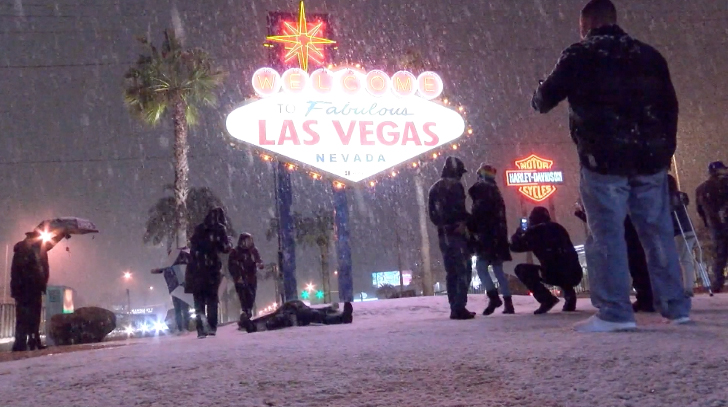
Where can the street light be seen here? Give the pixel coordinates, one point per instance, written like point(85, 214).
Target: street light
point(151, 288)
point(310, 287)
point(127, 275)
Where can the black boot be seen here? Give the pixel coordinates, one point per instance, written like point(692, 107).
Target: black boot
point(508, 306)
point(569, 299)
point(643, 306)
point(546, 305)
point(462, 314)
point(20, 344)
point(348, 316)
point(494, 302)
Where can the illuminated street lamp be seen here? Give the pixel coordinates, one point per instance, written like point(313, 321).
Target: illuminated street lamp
point(310, 287)
point(151, 288)
point(127, 275)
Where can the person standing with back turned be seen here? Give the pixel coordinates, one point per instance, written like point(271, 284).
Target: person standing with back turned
point(623, 114)
point(203, 277)
point(447, 211)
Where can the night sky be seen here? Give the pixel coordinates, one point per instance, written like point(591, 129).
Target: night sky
point(70, 148)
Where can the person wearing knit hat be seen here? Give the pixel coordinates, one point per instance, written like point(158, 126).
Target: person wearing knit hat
point(489, 229)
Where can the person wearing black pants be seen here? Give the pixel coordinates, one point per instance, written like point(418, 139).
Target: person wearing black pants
point(29, 276)
point(446, 207)
point(637, 261)
point(243, 263)
point(560, 266)
point(202, 277)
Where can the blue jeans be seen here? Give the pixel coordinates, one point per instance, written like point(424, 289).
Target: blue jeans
point(481, 265)
point(459, 269)
point(181, 314)
point(607, 200)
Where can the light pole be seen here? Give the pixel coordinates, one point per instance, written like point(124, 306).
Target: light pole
point(127, 277)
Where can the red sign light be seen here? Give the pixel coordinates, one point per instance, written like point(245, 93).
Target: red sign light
point(534, 178)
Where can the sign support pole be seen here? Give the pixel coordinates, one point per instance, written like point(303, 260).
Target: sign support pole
point(426, 266)
point(287, 248)
point(343, 249)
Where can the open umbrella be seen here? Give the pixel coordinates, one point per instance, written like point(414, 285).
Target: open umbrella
point(70, 225)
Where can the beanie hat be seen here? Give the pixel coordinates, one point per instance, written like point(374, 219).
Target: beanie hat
point(487, 171)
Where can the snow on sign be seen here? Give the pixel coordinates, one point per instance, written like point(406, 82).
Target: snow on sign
point(349, 123)
point(534, 178)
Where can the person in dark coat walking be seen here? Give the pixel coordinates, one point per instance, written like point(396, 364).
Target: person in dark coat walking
point(243, 264)
point(711, 199)
point(447, 211)
point(203, 275)
point(489, 230)
point(623, 114)
point(560, 266)
point(29, 275)
point(637, 260)
point(685, 238)
point(296, 313)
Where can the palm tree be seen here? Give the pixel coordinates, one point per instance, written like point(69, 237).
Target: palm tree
point(312, 231)
point(161, 225)
point(174, 80)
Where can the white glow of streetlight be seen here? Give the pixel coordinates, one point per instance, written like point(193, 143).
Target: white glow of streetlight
point(151, 288)
point(46, 236)
point(310, 287)
point(127, 275)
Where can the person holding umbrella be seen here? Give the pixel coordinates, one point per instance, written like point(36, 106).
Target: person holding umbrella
point(29, 276)
point(30, 272)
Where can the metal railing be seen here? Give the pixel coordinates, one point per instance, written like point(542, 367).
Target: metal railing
point(7, 321)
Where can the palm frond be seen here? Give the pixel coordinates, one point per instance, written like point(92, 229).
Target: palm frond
point(160, 226)
point(160, 77)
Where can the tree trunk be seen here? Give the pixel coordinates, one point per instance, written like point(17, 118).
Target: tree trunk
point(325, 283)
point(181, 171)
point(427, 282)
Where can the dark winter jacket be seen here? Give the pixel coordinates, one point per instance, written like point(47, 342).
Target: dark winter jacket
point(623, 108)
point(295, 313)
point(244, 261)
point(679, 202)
point(29, 272)
point(446, 204)
point(711, 200)
point(208, 241)
point(551, 245)
point(488, 224)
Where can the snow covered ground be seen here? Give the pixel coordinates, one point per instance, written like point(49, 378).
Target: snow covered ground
point(399, 353)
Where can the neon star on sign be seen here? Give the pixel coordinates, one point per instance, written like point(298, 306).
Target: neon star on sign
point(302, 41)
point(348, 123)
point(534, 178)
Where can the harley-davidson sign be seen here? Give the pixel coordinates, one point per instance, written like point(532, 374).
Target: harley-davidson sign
point(535, 178)
point(348, 123)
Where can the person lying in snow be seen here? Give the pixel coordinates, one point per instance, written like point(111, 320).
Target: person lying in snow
point(296, 313)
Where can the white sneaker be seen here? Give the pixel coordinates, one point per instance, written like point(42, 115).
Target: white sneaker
point(596, 324)
point(681, 321)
